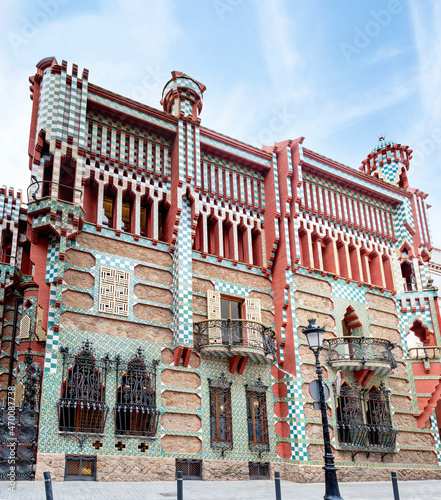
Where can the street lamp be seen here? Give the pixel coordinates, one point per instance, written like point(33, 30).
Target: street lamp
point(314, 335)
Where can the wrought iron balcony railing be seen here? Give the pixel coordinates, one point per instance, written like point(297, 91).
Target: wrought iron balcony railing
point(34, 193)
point(235, 334)
point(83, 416)
point(368, 438)
point(366, 352)
point(136, 420)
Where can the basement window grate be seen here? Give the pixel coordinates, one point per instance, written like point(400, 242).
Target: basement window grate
point(80, 468)
point(259, 470)
point(191, 469)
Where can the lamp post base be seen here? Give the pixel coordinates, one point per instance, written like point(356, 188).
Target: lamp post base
point(331, 484)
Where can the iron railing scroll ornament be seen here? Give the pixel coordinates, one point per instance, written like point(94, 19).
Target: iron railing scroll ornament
point(136, 413)
point(221, 428)
point(361, 349)
point(257, 418)
point(82, 408)
point(364, 422)
point(232, 333)
point(19, 417)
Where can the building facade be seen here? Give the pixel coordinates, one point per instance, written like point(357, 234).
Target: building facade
point(156, 284)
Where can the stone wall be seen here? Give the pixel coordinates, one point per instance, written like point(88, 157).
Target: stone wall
point(125, 468)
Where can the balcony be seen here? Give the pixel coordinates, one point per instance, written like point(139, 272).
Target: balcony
point(360, 353)
point(228, 338)
point(424, 352)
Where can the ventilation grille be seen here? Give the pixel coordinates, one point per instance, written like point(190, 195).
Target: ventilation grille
point(191, 469)
point(80, 468)
point(259, 470)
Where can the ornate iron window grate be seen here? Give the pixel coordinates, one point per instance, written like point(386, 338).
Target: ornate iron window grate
point(257, 416)
point(191, 469)
point(364, 422)
point(82, 407)
point(259, 470)
point(220, 414)
point(135, 409)
point(80, 468)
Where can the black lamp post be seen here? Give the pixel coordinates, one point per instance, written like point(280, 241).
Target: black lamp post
point(314, 334)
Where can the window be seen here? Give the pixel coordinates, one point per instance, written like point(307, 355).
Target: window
point(259, 470)
point(82, 407)
point(364, 421)
point(127, 215)
point(109, 206)
point(232, 331)
point(146, 221)
point(162, 216)
point(257, 416)
point(191, 469)
point(66, 188)
point(80, 468)
point(135, 410)
point(6, 246)
point(407, 271)
point(220, 413)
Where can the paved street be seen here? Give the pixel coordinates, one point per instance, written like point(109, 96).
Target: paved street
point(215, 490)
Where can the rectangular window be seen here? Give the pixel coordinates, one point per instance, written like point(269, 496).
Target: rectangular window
point(126, 216)
point(259, 470)
point(80, 468)
point(257, 416)
point(220, 413)
point(191, 469)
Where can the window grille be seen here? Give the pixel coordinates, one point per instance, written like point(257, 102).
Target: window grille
point(82, 406)
point(259, 470)
point(191, 469)
point(257, 416)
point(135, 409)
point(220, 413)
point(364, 421)
point(80, 468)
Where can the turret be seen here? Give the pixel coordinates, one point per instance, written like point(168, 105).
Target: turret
point(389, 162)
point(182, 94)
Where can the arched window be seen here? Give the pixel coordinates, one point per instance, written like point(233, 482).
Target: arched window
point(342, 262)
point(26, 264)
point(128, 212)
point(146, 218)
point(378, 418)
point(257, 416)
point(66, 186)
point(6, 246)
point(109, 206)
point(82, 406)
point(135, 409)
point(162, 218)
point(353, 259)
point(350, 424)
point(198, 243)
point(221, 429)
point(213, 235)
point(90, 200)
point(48, 170)
point(304, 248)
point(228, 239)
point(242, 243)
point(256, 241)
point(374, 269)
point(407, 271)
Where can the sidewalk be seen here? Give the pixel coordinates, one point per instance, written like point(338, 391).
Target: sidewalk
point(218, 490)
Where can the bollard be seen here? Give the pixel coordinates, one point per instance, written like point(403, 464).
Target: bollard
point(395, 486)
point(277, 483)
point(48, 485)
point(179, 480)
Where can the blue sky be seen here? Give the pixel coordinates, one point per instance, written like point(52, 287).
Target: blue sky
point(338, 73)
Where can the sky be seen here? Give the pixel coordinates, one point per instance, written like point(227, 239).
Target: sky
point(339, 73)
